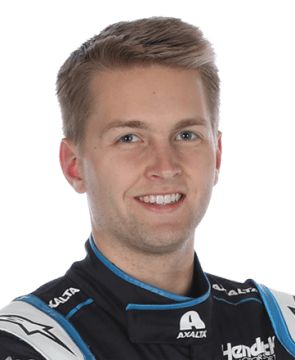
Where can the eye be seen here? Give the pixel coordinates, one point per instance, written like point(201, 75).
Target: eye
point(187, 136)
point(128, 138)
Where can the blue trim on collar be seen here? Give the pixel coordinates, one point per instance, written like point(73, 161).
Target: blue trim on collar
point(64, 323)
point(182, 305)
point(132, 280)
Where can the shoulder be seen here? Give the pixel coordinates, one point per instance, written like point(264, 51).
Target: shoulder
point(33, 322)
point(39, 321)
point(233, 292)
point(278, 306)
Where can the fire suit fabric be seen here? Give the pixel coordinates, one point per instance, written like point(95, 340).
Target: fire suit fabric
point(97, 311)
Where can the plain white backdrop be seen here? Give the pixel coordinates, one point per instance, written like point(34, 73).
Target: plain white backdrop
point(248, 231)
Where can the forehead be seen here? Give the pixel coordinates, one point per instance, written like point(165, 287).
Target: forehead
point(155, 93)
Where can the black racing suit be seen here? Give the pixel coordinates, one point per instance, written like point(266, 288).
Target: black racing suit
point(97, 311)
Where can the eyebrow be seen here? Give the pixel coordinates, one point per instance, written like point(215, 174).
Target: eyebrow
point(137, 124)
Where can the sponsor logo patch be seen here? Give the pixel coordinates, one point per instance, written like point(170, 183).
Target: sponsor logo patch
point(191, 326)
point(234, 292)
point(260, 350)
point(30, 327)
point(66, 295)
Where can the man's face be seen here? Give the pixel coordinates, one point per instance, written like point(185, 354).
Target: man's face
point(156, 154)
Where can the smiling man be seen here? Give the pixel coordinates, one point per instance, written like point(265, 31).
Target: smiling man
point(148, 167)
point(139, 104)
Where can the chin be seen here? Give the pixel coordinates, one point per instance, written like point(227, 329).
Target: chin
point(163, 246)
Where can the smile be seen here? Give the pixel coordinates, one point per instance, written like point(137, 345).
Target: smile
point(161, 199)
point(166, 203)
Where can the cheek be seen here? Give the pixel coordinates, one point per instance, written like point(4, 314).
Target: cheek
point(111, 176)
point(202, 169)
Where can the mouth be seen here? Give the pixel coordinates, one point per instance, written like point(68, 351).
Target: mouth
point(161, 203)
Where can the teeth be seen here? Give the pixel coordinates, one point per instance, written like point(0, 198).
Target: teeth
point(161, 199)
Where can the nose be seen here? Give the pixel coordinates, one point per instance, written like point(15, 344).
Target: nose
point(163, 163)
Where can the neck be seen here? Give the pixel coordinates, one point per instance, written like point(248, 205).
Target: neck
point(171, 272)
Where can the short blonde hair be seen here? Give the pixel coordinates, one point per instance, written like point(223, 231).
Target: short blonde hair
point(155, 40)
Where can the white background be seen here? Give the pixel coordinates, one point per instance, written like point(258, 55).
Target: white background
point(248, 231)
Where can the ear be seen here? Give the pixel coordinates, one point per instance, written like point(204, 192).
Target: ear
point(71, 164)
point(218, 156)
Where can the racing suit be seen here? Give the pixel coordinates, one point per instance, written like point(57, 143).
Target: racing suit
point(97, 311)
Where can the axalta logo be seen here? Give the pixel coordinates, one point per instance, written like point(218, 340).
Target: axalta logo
point(190, 325)
point(260, 350)
point(234, 292)
point(63, 298)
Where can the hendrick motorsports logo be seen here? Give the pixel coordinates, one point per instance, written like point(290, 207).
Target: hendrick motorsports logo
point(258, 351)
point(190, 325)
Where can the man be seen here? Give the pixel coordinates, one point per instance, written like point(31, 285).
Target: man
point(140, 113)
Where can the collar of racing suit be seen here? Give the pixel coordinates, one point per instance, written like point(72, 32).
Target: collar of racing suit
point(152, 315)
